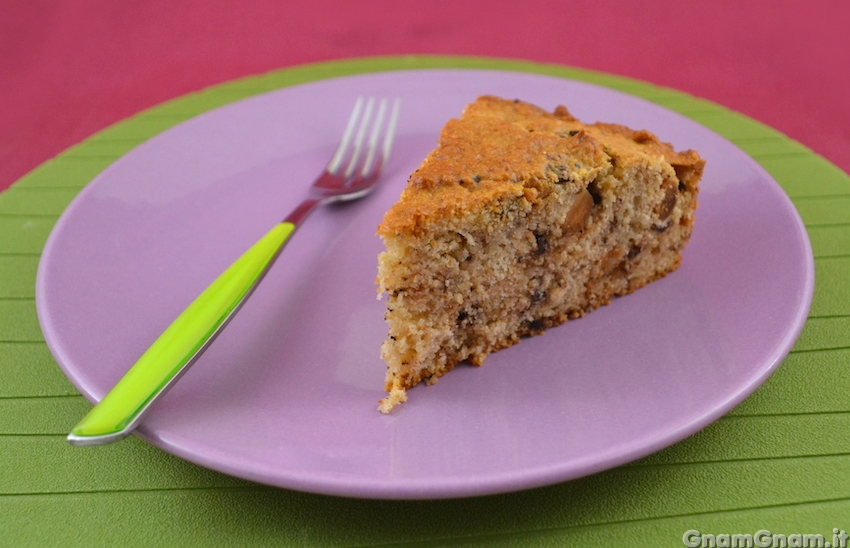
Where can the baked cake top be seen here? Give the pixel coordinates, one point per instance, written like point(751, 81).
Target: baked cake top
point(501, 147)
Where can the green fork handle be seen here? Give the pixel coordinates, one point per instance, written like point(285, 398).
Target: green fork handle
point(180, 344)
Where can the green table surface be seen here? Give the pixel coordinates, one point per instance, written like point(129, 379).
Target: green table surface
point(780, 461)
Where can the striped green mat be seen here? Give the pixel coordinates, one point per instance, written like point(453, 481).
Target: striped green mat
point(780, 461)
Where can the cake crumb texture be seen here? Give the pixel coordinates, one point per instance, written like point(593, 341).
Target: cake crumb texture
point(518, 221)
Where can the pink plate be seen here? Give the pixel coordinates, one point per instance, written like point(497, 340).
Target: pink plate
point(287, 395)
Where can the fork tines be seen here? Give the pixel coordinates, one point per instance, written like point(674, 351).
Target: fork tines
point(350, 148)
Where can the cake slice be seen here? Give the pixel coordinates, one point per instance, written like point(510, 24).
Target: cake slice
point(519, 220)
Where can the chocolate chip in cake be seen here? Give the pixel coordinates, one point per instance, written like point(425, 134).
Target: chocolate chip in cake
point(593, 188)
point(542, 240)
point(536, 326)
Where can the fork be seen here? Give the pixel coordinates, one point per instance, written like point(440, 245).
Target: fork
point(352, 173)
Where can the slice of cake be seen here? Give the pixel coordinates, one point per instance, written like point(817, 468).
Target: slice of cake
point(519, 220)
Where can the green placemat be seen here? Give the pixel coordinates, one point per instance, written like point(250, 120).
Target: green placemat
point(780, 461)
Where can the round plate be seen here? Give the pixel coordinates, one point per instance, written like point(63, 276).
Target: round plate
point(288, 394)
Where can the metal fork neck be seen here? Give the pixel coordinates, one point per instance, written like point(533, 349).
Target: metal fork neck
point(300, 213)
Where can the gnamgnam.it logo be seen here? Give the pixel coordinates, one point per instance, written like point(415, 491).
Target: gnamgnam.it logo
point(764, 539)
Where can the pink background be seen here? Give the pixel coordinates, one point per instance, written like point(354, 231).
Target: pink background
point(69, 69)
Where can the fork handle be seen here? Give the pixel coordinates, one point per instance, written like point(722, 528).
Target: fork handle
point(180, 345)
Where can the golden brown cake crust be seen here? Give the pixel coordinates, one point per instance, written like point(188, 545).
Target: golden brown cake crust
point(491, 152)
point(519, 220)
